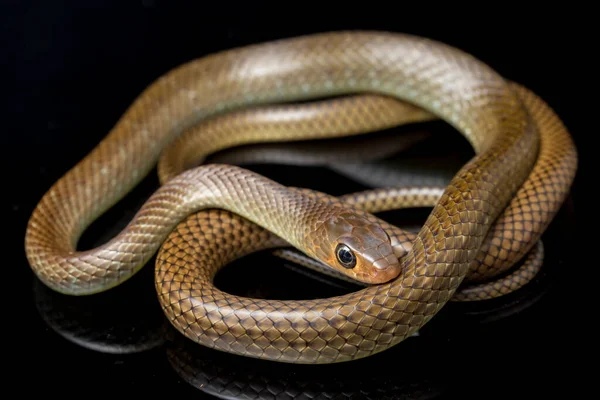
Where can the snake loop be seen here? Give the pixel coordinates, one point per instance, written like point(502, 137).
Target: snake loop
point(202, 218)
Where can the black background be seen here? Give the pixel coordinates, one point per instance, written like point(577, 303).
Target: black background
point(73, 67)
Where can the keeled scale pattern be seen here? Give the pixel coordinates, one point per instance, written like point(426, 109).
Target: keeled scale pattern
point(452, 84)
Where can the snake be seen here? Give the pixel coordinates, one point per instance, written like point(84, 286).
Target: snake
point(491, 213)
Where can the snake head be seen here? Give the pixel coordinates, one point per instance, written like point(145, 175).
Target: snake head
point(356, 247)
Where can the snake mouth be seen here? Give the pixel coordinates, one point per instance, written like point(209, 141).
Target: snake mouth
point(379, 275)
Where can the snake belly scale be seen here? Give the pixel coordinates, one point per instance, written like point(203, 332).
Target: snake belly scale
point(225, 212)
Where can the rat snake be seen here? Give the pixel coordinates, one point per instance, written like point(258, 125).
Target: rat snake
point(490, 215)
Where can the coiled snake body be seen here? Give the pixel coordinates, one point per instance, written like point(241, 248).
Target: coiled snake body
point(490, 215)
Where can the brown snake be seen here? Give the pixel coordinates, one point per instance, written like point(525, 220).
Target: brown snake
point(489, 216)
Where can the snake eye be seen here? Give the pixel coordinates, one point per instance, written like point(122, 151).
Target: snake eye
point(345, 256)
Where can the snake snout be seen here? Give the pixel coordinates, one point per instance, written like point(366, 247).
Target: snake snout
point(386, 265)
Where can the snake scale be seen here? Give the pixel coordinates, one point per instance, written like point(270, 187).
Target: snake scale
point(489, 216)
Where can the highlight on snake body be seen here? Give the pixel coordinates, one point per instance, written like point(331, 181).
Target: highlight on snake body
point(481, 240)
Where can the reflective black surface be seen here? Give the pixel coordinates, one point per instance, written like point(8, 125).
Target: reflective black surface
point(77, 66)
point(120, 339)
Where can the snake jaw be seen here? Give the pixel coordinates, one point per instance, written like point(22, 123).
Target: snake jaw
point(355, 247)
